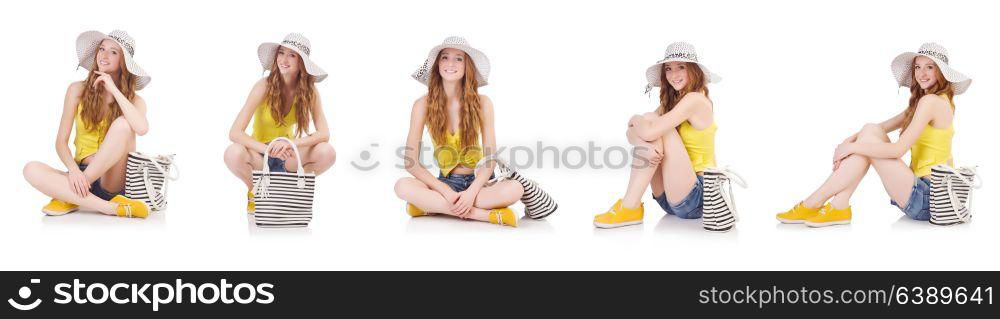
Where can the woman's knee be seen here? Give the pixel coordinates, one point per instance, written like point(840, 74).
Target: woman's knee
point(872, 129)
point(235, 154)
point(31, 170)
point(403, 185)
point(515, 190)
point(120, 126)
point(324, 152)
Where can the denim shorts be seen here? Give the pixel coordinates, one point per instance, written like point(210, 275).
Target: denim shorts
point(276, 165)
point(690, 207)
point(97, 190)
point(459, 182)
point(919, 205)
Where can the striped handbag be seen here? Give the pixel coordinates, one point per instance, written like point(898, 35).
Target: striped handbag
point(283, 199)
point(951, 194)
point(719, 206)
point(146, 178)
point(537, 203)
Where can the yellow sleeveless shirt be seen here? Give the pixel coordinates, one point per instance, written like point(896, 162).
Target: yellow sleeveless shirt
point(933, 147)
point(266, 129)
point(452, 154)
point(87, 141)
point(700, 145)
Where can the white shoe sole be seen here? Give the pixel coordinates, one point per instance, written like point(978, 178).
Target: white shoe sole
point(607, 226)
point(55, 213)
point(791, 221)
point(817, 225)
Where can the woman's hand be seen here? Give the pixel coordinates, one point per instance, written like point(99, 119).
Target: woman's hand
point(78, 183)
point(463, 207)
point(843, 151)
point(280, 149)
point(650, 152)
point(450, 195)
point(105, 80)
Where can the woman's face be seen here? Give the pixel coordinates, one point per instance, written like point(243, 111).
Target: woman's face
point(109, 56)
point(676, 74)
point(451, 64)
point(925, 72)
point(287, 61)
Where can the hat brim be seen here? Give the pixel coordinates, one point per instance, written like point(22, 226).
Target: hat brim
point(268, 50)
point(654, 71)
point(902, 67)
point(479, 59)
point(86, 47)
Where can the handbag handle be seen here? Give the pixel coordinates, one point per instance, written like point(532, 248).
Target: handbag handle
point(502, 164)
point(150, 190)
point(730, 176)
point(156, 164)
point(298, 157)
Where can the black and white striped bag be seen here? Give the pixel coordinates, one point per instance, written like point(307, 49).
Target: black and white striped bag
point(283, 199)
point(951, 194)
point(719, 206)
point(146, 178)
point(537, 203)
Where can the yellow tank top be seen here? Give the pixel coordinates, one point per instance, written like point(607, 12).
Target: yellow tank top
point(87, 141)
point(700, 145)
point(451, 154)
point(933, 147)
point(266, 129)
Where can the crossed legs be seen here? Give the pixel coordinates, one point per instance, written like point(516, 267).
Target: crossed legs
point(108, 165)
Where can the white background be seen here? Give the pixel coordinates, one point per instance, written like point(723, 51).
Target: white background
point(798, 78)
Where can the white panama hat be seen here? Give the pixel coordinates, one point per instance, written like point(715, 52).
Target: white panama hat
point(88, 42)
point(296, 42)
point(479, 59)
point(677, 52)
point(902, 67)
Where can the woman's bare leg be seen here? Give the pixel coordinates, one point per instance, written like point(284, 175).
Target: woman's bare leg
point(897, 177)
point(316, 159)
point(242, 162)
point(55, 184)
point(677, 173)
point(111, 154)
point(418, 194)
point(113, 179)
point(846, 178)
point(499, 195)
point(642, 170)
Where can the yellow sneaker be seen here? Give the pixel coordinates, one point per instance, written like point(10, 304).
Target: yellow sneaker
point(798, 214)
point(130, 208)
point(413, 211)
point(829, 217)
point(618, 216)
point(503, 217)
point(58, 208)
point(250, 204)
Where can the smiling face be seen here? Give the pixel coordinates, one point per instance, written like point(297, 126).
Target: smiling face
point(451, 64)
point(676, 74)
point(925, 72)
point(287, 61)
point(109, 57)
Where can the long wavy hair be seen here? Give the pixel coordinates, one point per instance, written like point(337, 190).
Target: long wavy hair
point(941, 86)
point(669, 97)
point(437, 101)
point(95, 113)
point(304, 96)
